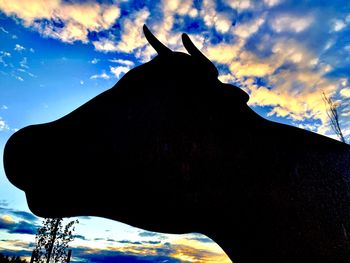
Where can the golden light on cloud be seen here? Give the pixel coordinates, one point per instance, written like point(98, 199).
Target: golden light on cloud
point(78, 19)
point(8, 219)
point(345, 92)
point(193, 250)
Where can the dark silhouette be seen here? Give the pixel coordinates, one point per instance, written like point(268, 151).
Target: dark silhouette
point(332, 112)
point(52, 241)
point(13, 259)
point(172, 149)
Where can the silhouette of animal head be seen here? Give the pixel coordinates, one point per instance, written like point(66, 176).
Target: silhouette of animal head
point(172, 149)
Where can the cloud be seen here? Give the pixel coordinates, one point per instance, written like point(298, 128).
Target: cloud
point(94, 255)
point(23, 227)
point(24, 62)
point(19, 78)
point(149, 234)
point(291, 23)
point(223, 53)
point(181, 7)
point(240, 5)
point(338, 25)
point(63, 20)
point(85, 217)
point(3, 125)
point(105, 45)
point(247, 29)
point(124, 62)
point(79, 237)
point(18, 214)
point(3, 30)
point(201, 238)
point(3, 107)
point(280, 73)
point(126, 242)
point(132, 35)
point(119, 71)
point(345, 92)
point(221, 21)
point(100, 76)
point(94, 61)
point(272, 3)
point(179, 250)
point(24, 215)
point(16, 248)
point(11, 226)
point(3, 55)
point(18, 47)
point(3, 202)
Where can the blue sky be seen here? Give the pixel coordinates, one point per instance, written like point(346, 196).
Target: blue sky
point(56, 55)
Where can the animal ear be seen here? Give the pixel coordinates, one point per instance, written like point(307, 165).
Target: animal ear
point(195, 52)
point(155, 43)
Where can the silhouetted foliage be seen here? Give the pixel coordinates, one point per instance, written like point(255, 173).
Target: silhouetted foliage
point(12, 259)
point(52, 240)
point(332, 112)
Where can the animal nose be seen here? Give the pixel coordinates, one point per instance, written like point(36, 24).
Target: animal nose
point(18, 158)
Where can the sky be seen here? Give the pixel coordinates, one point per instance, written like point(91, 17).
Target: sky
point(56, 55)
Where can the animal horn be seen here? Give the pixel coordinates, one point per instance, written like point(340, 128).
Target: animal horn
point(195, 52)
point(155, 43)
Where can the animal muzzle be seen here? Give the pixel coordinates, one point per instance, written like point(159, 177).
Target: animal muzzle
point(22, 155)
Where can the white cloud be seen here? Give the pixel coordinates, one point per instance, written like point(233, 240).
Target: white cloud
point(94, 61)
point(272, 3)
point(4, 107)
point(223, 53)
point(239, 4)
point(100, 76)
point(70, 33)
point(290, 23)
point(132, 34)
point(124, 62)
point(32, 50)
point(3, 125)
point(181, 7)
point(105, 45)
point(119, 71)
point(3, 30)
point(81, 82)
point(345, 92)
point(338, 25)
point(310, 127)
point(19, 47)
point(132, 38)
point(347, 18)
point(24, 63)
point(245, 30)
point(4, 54)
point(222, 21)
point(19, 78)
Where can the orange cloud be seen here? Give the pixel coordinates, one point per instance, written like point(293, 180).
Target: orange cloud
point(78, 19)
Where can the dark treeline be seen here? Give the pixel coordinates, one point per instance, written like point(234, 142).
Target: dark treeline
point(12, 259)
